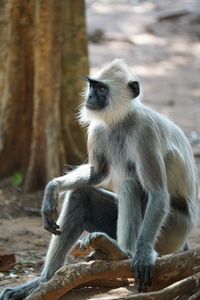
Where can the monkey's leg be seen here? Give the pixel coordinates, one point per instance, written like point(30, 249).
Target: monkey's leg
point(83, 176)
point(132, 203)
point(87, 209)
point(174, 233)
point(83, 209)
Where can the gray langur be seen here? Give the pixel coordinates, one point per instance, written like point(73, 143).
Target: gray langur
point(148, 162)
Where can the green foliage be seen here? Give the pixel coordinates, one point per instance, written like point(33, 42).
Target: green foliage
point(17, 179)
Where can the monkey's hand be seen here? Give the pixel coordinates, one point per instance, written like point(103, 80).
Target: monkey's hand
point(143, 266)
point(49, 208)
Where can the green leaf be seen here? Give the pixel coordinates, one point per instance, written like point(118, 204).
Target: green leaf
point(17, 179)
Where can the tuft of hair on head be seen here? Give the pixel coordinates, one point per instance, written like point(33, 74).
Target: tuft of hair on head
point(118, 77)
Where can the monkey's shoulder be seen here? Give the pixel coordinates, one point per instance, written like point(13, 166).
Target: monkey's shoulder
point(153, 124)
point(155, 120)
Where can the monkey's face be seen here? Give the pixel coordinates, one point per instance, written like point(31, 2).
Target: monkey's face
point(98, 95)
point(109, 94)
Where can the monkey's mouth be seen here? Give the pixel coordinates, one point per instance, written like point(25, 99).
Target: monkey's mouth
point(91, 106)
point(94, 106)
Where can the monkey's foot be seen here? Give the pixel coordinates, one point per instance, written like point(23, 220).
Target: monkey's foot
point(20, 292)
point(104, 246)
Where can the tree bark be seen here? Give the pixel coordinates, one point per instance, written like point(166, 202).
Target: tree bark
point(175, 275)
point(16, 91)
point(42, 57)
point(178, 290)
point(47, 148)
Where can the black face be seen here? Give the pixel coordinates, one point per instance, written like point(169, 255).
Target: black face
point(98, 95)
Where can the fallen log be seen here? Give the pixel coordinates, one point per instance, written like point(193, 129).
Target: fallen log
point(174, 275)
point(176, 291)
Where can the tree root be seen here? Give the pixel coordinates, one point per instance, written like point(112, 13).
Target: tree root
point(175, 275)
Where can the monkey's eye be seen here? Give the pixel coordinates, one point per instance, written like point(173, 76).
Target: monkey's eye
point(102, 88)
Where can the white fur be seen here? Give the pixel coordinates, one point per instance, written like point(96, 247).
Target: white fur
point(116, 75)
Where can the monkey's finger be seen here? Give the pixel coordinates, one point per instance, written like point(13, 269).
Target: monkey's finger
point(141, 274)
point(54, 224)
point(54, 231)
point(146, 279)
point(138, 277)
point(136, 270)
point(142, 278)
point(51, 230)
point(140, 286)
point(149, 277)
point(51, 226)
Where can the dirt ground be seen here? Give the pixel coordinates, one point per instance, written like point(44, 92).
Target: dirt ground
point(160, 40)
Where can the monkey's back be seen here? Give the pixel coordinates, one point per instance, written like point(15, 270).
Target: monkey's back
point(176, 151)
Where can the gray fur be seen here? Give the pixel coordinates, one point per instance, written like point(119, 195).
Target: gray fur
point(148, 162)
point(91, 209)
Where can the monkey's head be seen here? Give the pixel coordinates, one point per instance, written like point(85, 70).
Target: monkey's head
point(109, 94)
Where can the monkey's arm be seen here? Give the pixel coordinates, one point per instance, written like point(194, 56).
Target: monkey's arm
point(152, 174)
point(83, 175)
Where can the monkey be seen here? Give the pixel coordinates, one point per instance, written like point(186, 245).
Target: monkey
point(147, 160)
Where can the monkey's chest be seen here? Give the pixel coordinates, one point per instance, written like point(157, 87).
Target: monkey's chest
point(120, 150)
point(116, 147)
point(116, 155)
point(120, 157)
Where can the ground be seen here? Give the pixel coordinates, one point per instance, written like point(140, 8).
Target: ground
point(162, 48)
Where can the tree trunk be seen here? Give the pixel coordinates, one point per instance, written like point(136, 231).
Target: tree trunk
point(16, 91)
point(43, 54)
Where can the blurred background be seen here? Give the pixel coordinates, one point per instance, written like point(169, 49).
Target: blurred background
point(45, 49)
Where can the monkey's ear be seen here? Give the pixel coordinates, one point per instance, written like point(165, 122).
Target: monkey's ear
point(135, 88)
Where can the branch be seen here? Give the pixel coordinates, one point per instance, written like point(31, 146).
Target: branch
point(168, 270)
point(184, 287)
point(171, 268)
point(195, 296)
point(108, 283)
